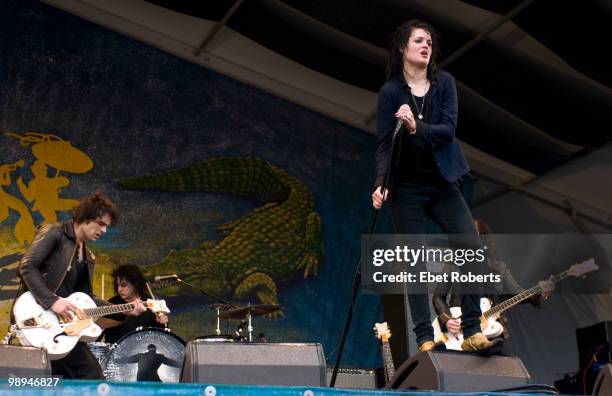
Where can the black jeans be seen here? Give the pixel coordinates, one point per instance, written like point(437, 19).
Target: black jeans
point(442, 202)
point(80, 363)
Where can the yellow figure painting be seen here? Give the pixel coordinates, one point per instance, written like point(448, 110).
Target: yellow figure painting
point(44, 192)
point(43, 189)
point(24, 228)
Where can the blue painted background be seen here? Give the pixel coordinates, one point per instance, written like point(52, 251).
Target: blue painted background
point(136, 110)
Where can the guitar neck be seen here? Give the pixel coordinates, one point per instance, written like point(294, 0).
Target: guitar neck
point(509, 303)
point(388, 361)
point(107, 310)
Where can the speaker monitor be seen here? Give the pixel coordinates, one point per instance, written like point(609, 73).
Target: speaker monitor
point(353, 378)
point(603, 384)
point(254, 364)
point(20, 361)
point(459, 372)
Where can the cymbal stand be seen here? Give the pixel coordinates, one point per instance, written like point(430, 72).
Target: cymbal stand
point(218, 329)
point(250, 327)
point(217, 308)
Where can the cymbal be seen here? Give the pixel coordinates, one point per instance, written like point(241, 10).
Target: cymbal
point(254, 310)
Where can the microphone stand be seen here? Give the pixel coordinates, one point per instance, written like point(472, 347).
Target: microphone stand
point(357, 277)
point(221, 303)
point(211, 296)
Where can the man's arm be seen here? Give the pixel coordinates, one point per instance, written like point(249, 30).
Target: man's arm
point(441, 306)
point(44, 243)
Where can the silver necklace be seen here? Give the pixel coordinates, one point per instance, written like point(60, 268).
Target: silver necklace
point(420, 111)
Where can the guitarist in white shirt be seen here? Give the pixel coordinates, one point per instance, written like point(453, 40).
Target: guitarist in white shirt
point(57, 264)
point(442, 301)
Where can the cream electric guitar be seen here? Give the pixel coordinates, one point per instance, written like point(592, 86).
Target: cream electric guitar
point(383, 333)
point(42, 328)
point(488, 320)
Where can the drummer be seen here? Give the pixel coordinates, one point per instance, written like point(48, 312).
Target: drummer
point(130, 285)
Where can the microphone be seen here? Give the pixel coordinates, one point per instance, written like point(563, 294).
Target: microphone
point(165, 277)
point(397, 127)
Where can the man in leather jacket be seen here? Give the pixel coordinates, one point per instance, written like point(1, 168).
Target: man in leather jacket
point(57, 264)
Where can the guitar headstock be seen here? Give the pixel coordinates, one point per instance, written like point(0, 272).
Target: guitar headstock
point(583, 268)
point(382, 331)
point(157, 306)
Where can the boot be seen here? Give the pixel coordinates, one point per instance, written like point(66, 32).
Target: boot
point(478, 342)
point(427, 346)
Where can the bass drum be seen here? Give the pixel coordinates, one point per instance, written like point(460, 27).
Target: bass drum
point(100, 350)
point(150, 354)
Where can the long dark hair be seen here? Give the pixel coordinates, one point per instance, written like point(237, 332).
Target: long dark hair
point(395, 64)
point(132, 274)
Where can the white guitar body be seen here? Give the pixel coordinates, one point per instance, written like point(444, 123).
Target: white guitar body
point(42, 328)
point(488, 321)
point(491, 328)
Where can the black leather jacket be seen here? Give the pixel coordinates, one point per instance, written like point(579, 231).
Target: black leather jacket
point(44, 265)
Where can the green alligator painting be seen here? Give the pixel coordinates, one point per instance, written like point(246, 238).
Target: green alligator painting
point(275, 241)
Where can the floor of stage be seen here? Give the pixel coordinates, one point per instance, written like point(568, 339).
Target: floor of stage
point(104, 388)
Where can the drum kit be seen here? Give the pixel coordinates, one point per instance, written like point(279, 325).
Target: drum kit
point(157, 354)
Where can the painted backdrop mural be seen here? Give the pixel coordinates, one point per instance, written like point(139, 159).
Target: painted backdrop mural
point(246, 196)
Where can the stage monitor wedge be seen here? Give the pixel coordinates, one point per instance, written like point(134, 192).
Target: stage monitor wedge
point(459, 372)
point(237, 363)
point(22, 361)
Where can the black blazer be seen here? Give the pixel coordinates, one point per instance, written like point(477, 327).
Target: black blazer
point(440, 131)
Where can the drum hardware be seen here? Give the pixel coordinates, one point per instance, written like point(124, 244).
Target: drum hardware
point(218, 308)
point(218, 338)
point(239, 333)
point(249, 312)
point(252, 310)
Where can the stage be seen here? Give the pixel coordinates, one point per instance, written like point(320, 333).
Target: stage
point(103, 388)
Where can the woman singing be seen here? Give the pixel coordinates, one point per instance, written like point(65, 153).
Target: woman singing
point(427, 161)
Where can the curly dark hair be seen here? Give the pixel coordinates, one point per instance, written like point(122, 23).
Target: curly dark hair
point(94, 206)
point(395, 64)
point(132, 274)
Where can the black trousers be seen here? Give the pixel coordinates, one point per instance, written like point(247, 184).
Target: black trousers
point(80, 363)
point(442, 202)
